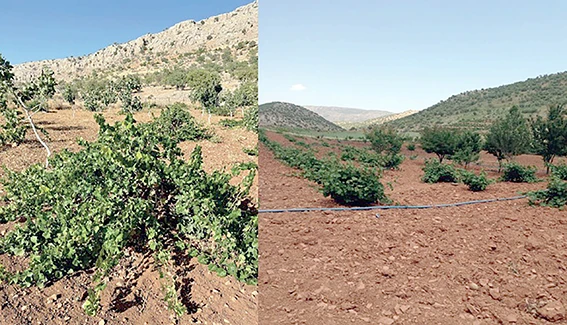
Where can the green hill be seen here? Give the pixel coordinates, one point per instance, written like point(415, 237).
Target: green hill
point(291, 116)
point(478, 108)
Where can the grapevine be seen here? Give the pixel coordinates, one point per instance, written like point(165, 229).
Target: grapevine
point(130, 187)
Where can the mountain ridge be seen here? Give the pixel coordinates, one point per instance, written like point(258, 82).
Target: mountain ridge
point(477, 109)
point(152, 51)
point(346, 114)
point(288, 115)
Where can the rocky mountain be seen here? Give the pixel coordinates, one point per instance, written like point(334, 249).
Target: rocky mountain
point(291, 116)
point(182, 43)
point(346, 114)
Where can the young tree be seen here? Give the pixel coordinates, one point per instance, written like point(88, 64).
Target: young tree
point(467, 148)
point(385, 139)
point(508, 137)
point(69, 93)
point(550, 135)
point(440, 141)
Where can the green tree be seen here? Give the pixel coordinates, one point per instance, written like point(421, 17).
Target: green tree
point(467, 148)
point(508, 137)
point(550, 135)
point(69, 93)
point(245, 95)
point(177, 78)
point(440, 141)
point(384, 139)
point(205, 87)
point(250, 120)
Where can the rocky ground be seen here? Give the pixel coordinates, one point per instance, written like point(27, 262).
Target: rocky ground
point(494, 263)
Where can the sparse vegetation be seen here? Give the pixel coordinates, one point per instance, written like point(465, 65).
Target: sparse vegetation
point(345, 183)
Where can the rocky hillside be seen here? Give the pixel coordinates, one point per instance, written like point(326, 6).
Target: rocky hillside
point(346, 114)
point(182, 43)
point(376, 121)
point(290, 116)
point(477, 109)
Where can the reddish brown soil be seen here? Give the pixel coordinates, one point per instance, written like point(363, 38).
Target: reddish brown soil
point(494, 263)
point(134, 294)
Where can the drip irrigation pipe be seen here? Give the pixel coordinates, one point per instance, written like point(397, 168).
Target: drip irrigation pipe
point(392, 207)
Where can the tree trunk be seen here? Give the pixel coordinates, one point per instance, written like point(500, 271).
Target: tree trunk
point(30, 120)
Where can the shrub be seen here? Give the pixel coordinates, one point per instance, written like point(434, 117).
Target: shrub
point(559, 171)
point(251, 151)
point(352, 186)
point(349, 153)
point(436, 172)
point(250, 120)
point(476, 183)
point(130, 188)
point(13, 130)
point(221, 110)
point(130, 103)
point(411, 146)
point(229, 123)
point(130, 83)
point(178, 124)
point(554, 196)
point(346, 184)
point(392, 161)
point(514, 172)
point(91, 103)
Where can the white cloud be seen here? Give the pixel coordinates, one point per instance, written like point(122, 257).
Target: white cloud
point(297, 87)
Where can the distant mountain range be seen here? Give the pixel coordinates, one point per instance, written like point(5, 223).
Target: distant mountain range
point(477, 109)
point(375, 121)
point(346, 114)
point(291, 116)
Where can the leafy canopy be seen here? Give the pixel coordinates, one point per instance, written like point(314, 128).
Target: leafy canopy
point(440, 141)
point(550, 134)
point(129, 188)
point(509, 136)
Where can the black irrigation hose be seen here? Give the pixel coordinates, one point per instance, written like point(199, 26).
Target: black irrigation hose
point(391, 207)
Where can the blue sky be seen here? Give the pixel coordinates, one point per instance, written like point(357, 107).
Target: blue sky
point(400, 55)
point(36, 30)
